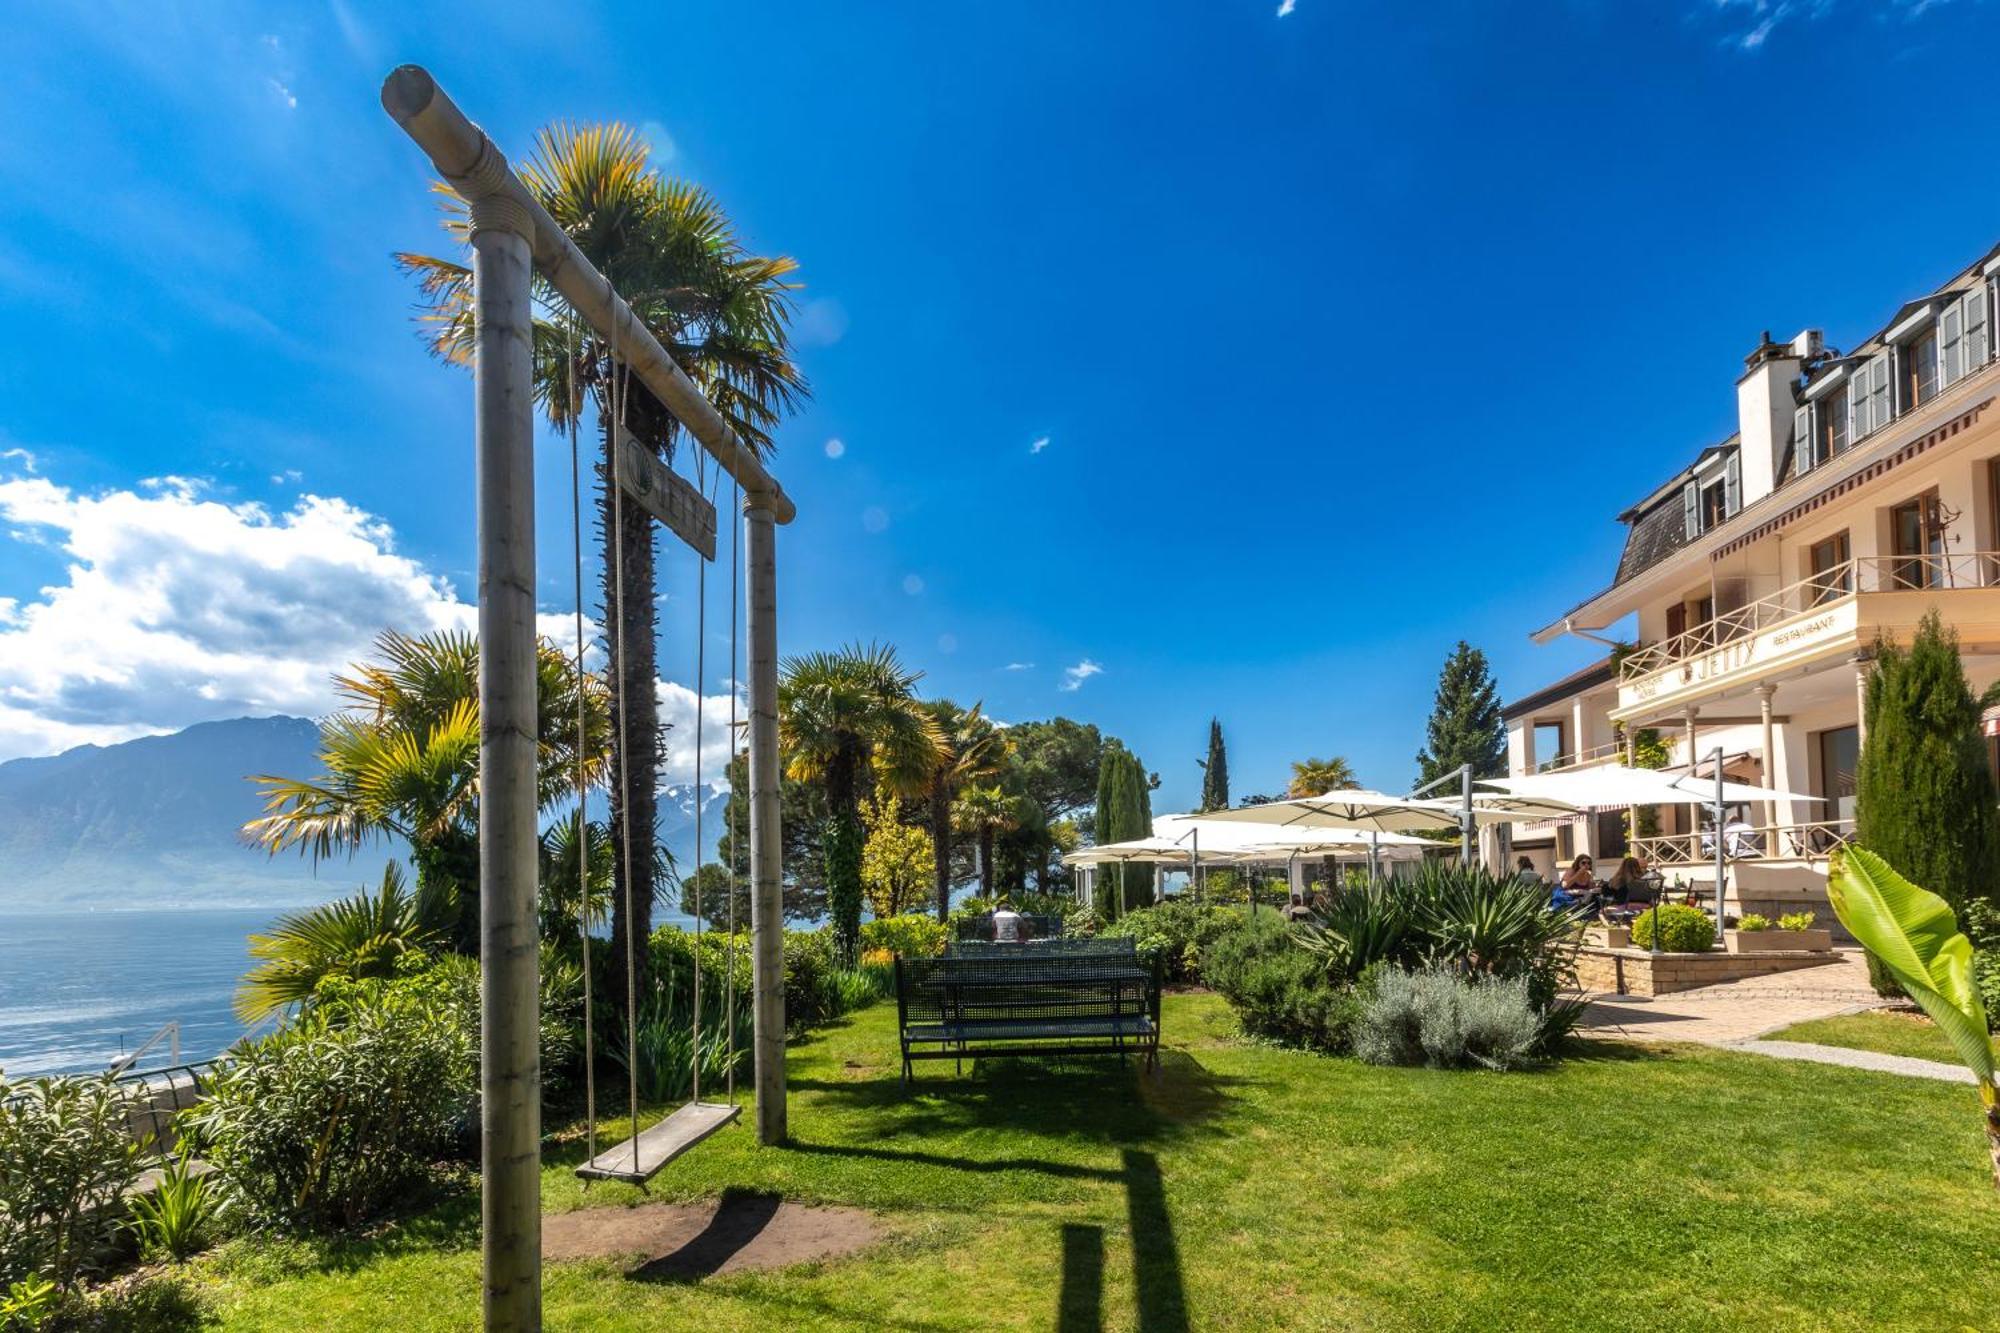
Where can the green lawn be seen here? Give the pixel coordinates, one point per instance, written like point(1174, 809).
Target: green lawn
point(1249, 1187)
point(1891, 1033)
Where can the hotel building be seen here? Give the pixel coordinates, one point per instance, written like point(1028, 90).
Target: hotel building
point(1860, 490)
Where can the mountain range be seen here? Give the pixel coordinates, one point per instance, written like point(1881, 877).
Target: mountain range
point(154, 823)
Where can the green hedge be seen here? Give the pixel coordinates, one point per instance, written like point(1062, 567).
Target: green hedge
point(1176, 933)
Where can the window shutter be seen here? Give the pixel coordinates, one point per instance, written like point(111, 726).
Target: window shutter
point(1977, 343)
point(1879, 412)
point(1732, 484)
point(1691, 510)
point(1677, 620)
point(1951, 343)
point(1802, 440)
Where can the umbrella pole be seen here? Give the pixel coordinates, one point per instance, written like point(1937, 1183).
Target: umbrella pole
point(1465, 814)
point(1721, 851)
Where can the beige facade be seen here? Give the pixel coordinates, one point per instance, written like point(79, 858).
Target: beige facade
point(1859, 492)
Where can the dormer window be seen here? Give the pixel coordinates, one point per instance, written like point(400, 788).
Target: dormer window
point(1713, 494)
point(1868, 408)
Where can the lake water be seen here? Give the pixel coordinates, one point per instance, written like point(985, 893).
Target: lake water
point(79, 989)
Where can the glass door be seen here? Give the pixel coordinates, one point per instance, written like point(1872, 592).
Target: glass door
point(1839, 755)
point(1831, 575)
point(1919, 544)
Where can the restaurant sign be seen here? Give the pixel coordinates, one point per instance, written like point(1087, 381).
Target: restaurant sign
point(1800, 636)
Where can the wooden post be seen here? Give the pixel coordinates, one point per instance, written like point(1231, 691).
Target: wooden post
point(510, 1097)
point(767, 905)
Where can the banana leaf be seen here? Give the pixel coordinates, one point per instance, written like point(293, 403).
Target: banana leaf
point(1915, 935)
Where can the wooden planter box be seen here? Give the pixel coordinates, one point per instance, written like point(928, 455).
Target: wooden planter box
point(1780, 941)
point(1617, 937)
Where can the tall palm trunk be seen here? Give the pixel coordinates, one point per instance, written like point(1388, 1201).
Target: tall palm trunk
point(986, 862)
point(635, 718)
point(941, 846)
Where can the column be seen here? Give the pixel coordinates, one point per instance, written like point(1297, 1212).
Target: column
point(1765, 692)
point(1860, 699)
point(767, 906)
point(510, 1201)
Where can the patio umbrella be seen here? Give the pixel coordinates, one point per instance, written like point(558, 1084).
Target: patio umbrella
point(1353, 809)
point(1612, 785)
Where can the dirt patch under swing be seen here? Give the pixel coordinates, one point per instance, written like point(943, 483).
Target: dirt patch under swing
point(734, 1234)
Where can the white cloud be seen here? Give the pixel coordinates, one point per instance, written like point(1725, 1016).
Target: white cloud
point(1074, 676)
point(1039, 445)
point(22, 456)
point(677, 712)
point(1749, 24)
point(836, 447)
point(176, 607)
point(284, 93)
point(1019, 666)
point(1286, 7)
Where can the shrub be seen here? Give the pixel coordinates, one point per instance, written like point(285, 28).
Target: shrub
point(1175, 933)
point(1445, 1020)
point(908, 936)
point(1753, 922)
point(1797, 921)
point(1470, 918)
point(26, 1305)
point(66, 1156)
point(1683, 929)
point(174, 1217)
point(1083, 921)
point(333, 1117)
point(1356, 925)
point(1279, 990)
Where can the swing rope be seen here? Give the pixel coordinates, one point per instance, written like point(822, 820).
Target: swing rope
point(735, 543)
point(574, 409)
point(621, 390)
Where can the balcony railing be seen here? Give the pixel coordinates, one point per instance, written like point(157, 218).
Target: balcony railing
point(1596, 754)
point(1769, 842)
point(1863, 574)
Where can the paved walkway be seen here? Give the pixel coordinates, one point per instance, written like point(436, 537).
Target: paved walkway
point(1840, 1055)
point(1737, 1011)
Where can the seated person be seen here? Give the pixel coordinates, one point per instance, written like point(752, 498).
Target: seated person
point(1524, 870)
point(1300, 907)
point(1628, 879)
point(1009, 926)
point(1578, 886)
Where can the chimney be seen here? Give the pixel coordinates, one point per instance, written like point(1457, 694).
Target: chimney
point(1765, 400)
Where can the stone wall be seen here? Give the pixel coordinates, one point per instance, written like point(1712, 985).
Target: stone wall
point(1641, 972)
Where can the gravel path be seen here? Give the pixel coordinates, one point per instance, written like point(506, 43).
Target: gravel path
point(1841, 1055)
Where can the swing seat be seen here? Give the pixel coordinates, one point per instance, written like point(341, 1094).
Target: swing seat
point(636, 1161)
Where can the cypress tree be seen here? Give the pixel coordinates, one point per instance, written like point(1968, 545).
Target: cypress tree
point(1924, 796)
point(1465, 726)
point(1215, 771)
point(1124, 812)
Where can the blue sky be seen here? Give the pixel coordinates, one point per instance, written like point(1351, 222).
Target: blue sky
point(1348, 329)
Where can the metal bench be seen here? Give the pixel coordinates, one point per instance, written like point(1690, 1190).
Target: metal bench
point(1017, 1001)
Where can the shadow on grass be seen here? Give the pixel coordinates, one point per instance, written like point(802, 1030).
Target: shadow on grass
point(1080, 1306)
point(740, 1217)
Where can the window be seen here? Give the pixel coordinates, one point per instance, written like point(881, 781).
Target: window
point(1714, 504)
point(1919, 543)
point(1830, 412)
point(1830, 573)
point(1919, 363)
point(1677, 620)
point(1839, 754)
point(1868, 397)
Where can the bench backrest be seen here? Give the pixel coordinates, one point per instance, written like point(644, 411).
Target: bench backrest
point(1099, 946)
point(1023, 987)
point(980, 926)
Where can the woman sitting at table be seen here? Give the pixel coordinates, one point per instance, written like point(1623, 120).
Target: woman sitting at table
point(1578, 886)
point(1629, 877)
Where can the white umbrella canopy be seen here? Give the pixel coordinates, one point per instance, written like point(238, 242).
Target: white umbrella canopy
point(1617, 785)
point(1137, 850)
point(1368, 811)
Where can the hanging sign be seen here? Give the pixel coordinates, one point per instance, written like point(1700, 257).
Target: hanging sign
point(665, 494)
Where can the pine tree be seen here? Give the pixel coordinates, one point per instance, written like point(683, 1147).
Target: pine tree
point(1215, 771)
point(1465, 726)
point(1924, 796)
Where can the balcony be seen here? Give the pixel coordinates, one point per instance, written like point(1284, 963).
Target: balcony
point(1810, 843)
point(1826, 617)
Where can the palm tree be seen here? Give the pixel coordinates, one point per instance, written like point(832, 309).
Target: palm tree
point(972, 750)
point(1316, 777)
point(360, 937)
point(985, 812)
point(843, 717)
point(671, 251)
point(402, 761)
